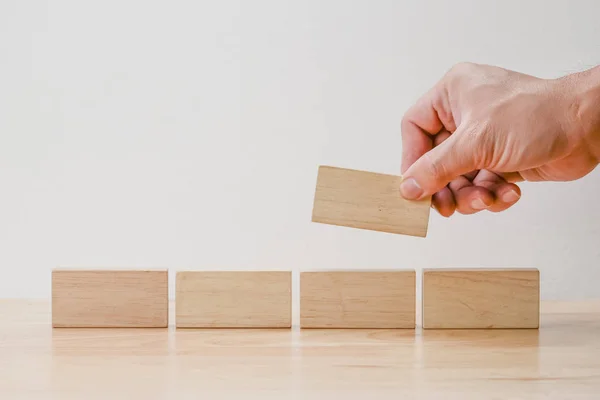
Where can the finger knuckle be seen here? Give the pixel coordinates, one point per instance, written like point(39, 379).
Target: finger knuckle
point(476, 138)
point(405, 123)
point(462, 68)
point(436, 167)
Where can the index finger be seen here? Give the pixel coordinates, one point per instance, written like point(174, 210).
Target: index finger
point(421, 122)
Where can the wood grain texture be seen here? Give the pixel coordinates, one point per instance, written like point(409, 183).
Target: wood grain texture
point(367, 200)
point(234, 299)
point(481, 298)
point(357, 299)
point(109, 298)
point(559, 361)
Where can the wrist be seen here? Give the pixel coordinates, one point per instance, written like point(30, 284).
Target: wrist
point(585, 104)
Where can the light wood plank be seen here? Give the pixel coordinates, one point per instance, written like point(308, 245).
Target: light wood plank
point(481, 298)
point(367, 200)
point(234, 299)
point(357, 299)
point(109, 298)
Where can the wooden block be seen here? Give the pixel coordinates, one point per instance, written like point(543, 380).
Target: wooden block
point(234, 299)
point(481, 298)
point(367, 200)
point(110, 299)
point(357, 299)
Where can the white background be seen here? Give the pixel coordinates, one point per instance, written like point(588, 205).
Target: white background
point(187, 134)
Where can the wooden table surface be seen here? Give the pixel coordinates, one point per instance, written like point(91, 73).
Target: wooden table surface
point(559, 361)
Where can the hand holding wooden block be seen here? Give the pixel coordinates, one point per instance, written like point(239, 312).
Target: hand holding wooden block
point(481, 298)
point(367, 200)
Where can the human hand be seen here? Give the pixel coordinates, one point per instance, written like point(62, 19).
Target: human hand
point(481, 129)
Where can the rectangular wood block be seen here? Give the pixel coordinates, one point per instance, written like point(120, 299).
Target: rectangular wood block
point(481, 298)
point(357, 299)
point(234, 299)
point(110, 299)
point(367, 200)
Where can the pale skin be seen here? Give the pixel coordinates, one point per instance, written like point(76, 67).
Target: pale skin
point(482, 129)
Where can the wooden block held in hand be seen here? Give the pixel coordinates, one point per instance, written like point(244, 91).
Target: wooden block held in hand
point(481, 298)
point(357, 299)
point(110, 299)
point(367, 200)
point(234, 299)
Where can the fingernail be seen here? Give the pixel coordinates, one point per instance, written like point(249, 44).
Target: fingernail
point(511, 196)
point(478, 204)
point(410, 189)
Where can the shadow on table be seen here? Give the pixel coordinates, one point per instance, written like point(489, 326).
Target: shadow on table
point(110, 342)
point(482, 338)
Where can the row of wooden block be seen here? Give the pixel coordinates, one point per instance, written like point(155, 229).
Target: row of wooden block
point(451, 298)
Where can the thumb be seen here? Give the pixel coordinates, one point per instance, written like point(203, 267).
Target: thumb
point(437, 167)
